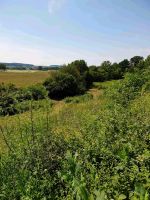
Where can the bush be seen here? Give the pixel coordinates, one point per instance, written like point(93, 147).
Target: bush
point(31, 104)
point(37, 92)
point(128, 89)
point(62, 85)
point(14, 100)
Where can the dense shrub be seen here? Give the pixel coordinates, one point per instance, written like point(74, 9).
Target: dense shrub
point(129, 88)
point(37, 92)
point(62, 85)
point(11, 97)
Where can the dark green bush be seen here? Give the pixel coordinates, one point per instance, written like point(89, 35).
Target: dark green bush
point(62, 85)
point(11, 97)
point(37, 92)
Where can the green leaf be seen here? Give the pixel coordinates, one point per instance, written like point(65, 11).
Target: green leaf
point(121, 197)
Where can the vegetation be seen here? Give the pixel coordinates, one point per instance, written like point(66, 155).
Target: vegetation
point(14, 100)
point(79, 99)
point(93, 147)
point(2, 67)
point(71, 80)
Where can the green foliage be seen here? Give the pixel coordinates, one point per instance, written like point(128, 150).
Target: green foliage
point(79, 99)
point(80, 65)
point(129, 88)
point(62, 85)
point(97, 149)
point(72, 79)
point(136, 60)
point(124, 65)
point(14, 100)
point(37, 91)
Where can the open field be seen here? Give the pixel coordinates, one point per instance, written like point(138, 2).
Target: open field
point(23, 78)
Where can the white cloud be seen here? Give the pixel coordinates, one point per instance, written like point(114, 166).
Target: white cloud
point(54, 5)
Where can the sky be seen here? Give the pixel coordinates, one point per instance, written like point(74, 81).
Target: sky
point(47, 32)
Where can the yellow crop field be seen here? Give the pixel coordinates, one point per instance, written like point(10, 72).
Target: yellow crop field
point(23, 78)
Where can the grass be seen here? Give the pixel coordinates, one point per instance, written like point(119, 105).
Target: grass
point(106, 84)
point(54, 112)
point(23, 78)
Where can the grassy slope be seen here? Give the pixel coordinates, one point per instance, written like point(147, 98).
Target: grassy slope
point(65, 116)
point(56, 113)
point(94, 128)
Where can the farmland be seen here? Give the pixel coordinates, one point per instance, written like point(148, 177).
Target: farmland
point(23, 78)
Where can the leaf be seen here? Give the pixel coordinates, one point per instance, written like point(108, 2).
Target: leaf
point(121, 197)
point(100, 195)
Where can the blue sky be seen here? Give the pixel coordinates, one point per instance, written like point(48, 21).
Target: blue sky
point(45, 32)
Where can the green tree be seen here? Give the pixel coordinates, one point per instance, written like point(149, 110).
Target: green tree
point(81, 65)
point(70, 69)
point(124, 65)
point(62, 85)
point(147, 61)
point(134, 61)
point(115, 72)
point(93, 68)
point(105, 70)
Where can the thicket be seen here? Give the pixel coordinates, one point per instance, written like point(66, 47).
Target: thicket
point(113, 71)
point(76, 77)
point(70, 80)
point(14, 100)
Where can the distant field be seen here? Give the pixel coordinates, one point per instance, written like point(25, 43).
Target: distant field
point(23, 78)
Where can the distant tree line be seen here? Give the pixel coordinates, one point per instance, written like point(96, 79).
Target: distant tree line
point(111, 71)
point(76, 77)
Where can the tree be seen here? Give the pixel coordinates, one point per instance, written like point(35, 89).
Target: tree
point(147, 61)
point(62, 85)
point(136, 60)
point(70, 69)
point(124, 65)
point(105, 70)
point(2, 67)
point(81, 65)
point(93, 68)
point(115, 72)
